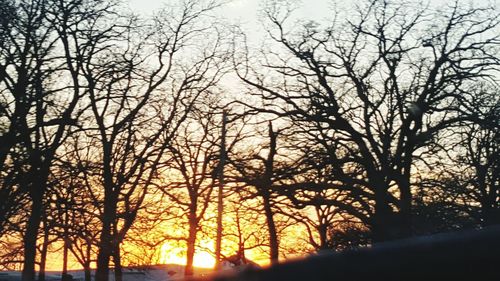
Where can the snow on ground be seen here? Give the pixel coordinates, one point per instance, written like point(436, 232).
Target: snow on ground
point(151, 273)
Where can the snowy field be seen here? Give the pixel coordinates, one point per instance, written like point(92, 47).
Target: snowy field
point(150, 273)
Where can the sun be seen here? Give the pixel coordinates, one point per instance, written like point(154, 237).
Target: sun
point(171, 255)
point(204, 259)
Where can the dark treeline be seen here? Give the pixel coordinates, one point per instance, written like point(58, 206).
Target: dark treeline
point(381, 123)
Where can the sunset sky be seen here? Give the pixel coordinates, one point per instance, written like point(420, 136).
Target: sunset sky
point(147, 132)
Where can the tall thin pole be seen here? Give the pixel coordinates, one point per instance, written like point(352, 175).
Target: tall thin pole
point(220, 205)
point(64, 275)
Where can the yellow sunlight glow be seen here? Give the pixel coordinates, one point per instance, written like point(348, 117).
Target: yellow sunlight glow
point(204, 259)
point(201, 259)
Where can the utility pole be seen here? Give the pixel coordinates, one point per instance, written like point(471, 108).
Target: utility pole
point(220, 204)
point(64, 275)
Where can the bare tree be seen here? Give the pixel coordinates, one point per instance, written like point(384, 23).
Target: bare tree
point(140, 92)
point(247, 229)
point(193, 154)
point(374, 90)
point(39, 106)
point(259, 172)
point(481, 143)
point(318, 221)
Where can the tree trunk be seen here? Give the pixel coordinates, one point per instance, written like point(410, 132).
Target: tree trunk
point(241, 241)
point(30, 236)
point(265, 193)
point(220, 193)
point(404, 219)
point(323, 236)
point(87, 270)
point(86, 266)
point(382, 225)
point(271, 226)
point(65, 246)
point(388, 224)
point(43, 253)
point(191, 241)
point(105, 251)
point(118, 262)
point(37, 184)
point(6, 141)
point(105, 244)
point(490, 213)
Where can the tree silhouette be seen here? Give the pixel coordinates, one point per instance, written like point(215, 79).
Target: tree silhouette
point(374, 90)
point(480, 142)
point(378, 125)
point(259, 172)
point(193, 154)
point(35, 53)
point(136, 105)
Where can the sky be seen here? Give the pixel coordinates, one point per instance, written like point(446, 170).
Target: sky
point(248, 10)
point(238, 9)
point(245, 12)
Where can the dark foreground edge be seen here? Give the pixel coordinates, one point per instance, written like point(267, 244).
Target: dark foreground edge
point(467, 255)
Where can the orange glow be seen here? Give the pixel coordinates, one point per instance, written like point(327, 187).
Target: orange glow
point(172, 255)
